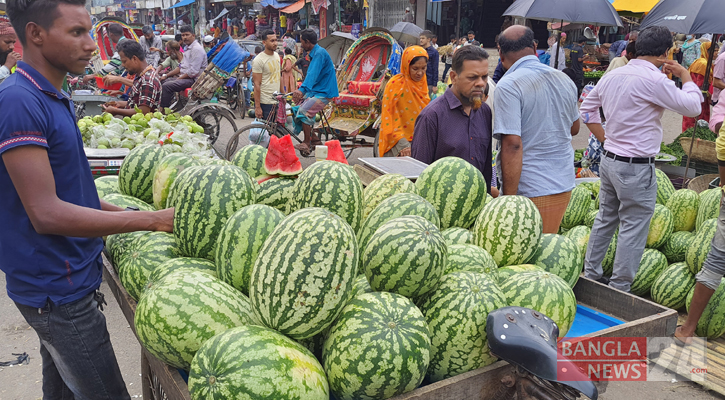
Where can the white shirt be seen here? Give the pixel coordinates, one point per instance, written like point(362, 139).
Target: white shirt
point(562, 57)
point(4, 72)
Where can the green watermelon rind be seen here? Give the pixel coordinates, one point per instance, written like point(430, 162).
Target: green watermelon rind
point(136, 175)
point(651, 265)
point(712, 322)
point(382, 188)
point(670, 289)
point(559, 255)
point(250, 158)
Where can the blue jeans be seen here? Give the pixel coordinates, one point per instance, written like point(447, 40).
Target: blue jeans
point(78, 359)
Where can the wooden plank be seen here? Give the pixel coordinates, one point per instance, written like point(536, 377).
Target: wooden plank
point(473, 385)
point(366, 174)
point(125, 301)
point(616, 303)
point(169, 379)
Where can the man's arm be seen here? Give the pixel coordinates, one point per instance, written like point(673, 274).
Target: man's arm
point(589, 112)
point(32, 176)
point(425, 138)
point(106, 206)
point(575, 127)
point(511, 162)
point(686, 101)
point(718, 83)
point(111, 79)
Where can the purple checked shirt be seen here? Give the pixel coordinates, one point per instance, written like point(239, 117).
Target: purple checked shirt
point(443, 129)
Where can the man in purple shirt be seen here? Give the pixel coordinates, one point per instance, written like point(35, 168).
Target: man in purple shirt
point(191, 67)
point(458, 123)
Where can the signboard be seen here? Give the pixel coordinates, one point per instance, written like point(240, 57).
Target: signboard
point(129, 5)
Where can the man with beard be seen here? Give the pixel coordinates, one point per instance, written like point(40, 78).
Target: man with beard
point(536, 116)
point(8, 56)
point(146, 88)
point(458, 124)
point(151, 45)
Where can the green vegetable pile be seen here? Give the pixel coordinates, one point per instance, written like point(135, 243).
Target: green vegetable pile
point(578, 155)
point(675, 148)
point(593, 74)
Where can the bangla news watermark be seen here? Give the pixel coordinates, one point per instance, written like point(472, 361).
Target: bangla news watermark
point(634, 359)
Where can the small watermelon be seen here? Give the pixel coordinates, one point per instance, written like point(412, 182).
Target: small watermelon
point(334, 152)
point(660, 227)
point(468, 257)
point(700, 246)
point(709, 206)
point(608, 261)
point(652, 264)
point(251, 159)
point(106, 185)
point(383, 187)
point(167, 170)
point(275, 192)
point(665, 189)
point(589, 219)
point(559, 255)
point(136, 176)
point(146, 253)
point(457, 235)
point(580, 236)
point(180, 264)
point(578, 207)
point(281, 158)
point(684, 204)
point(675, 248)
point(504, 273)
point(712, 322)
point(361, 286)
point(672, 286)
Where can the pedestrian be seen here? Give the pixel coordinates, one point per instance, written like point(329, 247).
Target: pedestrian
point(577, 56)
point(173, 49)
point(562, 54)
point(8, 56)
point(290, 43)
point(289, 82)
point(434, 41)
point(718, 76)
point(638, 92)
point(499, 71)
point(51, 217)
point(408, 16)
point(536, 117)
point(146, 87)
point(431, 72)
point(449, 57)
point(115, 35)
point(471, 37)
point(208, 43)
point(406, 95)
point(303, 62)
point(151, 45)
point(266, 75)
point(616, 49)
point(690, 50)
point(190, 68)
point(697, 70)
point(458, 124)
point(619, 62)
point(249, 26)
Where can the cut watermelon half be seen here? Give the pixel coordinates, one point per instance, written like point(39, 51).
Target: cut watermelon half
point(334, 152)
point(281, 158)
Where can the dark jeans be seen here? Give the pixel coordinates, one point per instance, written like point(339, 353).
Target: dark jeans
point(445, 71)
point(266, 109)
point(170, 87)
point(76, 351)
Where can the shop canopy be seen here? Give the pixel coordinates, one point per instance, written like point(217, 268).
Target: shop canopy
point(183, 3)
point(294, 7)
point(633, 6)
point(275, 4)
point(221, 14)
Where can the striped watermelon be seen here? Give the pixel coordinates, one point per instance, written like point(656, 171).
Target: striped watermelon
point(136, 176)
point(665, 189)
point(118, 245)
point(240, 240)
point(456, 313)
point(676, 246)
point(468, 257)
point(660, 227)
point(709, 206)
point(560, 256)
point(393, 207)
point(596, 201)
point(166, 172)
point(250, 158)
point(712, 322)
point(145, 254)
point(509, 228)
point(651, 265)
point(608, 261)
point(591, 216)
point(207, 199)
point(503, 273)
point(378, 348)
point(383, 187)
point(332, 186)
point(545, 293)
point(684, 204)
point(304, 273)
point(457, 235)
point(672, 286)
point(275, 193)
point(580, 236)
point(175, 189)
point(578, 207)
point(700, 246)
point(185, 309)
point(360, 286)
point(123, 201)
point(253, 362)
point(406, 255)
point(106, 185)
point(214, 161)
point(455, 188)
point(180, 264)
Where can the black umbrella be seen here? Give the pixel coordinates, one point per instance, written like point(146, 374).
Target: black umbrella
point(406, 32)
point(688, 16)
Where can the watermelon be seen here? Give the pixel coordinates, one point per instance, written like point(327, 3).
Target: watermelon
point(665, 189)
point(660, 227)
point(166, 172)
point(683, 204)
point(383, 187)
point(334, 152)
point(209, 196)
point(455, 188)
point(281, 158)
point(251, 158)
point(672, 286)
point(253, 362)
point(456, 313)
point(709, 206)
point(468, 257)
point(332, 186)
point(457, 235)
point(545, 293)
point(700, 246)
point(119, 245)
point(560, 256)
point(503, 273)
point(578, 207)
point(652, 264)
point(393, 207)
point(304, 273)
point(378, 348)
point(180, 264)
point(145, 254)
point(360, 286)
point(589, 219)
point(676, 246)
point(275, 193)
point(106, 185)
point(315, 344)
point(185, 309)
point(608, 261)
point(123, 201)
point(240, 240)
point(509, 228)
point(265, 178)
point(136, 176)
point(180, 181)
point(580, 236)
point(406, 255)
point(712, 322)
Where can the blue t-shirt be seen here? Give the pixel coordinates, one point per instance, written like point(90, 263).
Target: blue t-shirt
point(39, 267)
point(321, 80)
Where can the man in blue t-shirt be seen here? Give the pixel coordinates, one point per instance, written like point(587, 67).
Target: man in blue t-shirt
point(51, 219)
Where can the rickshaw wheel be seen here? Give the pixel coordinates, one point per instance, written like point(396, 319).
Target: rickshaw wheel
point(214, 122)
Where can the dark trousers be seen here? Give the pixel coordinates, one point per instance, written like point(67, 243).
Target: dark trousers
point(266, 109)
point(445, 71)
point(76, 351)
point(170, 87)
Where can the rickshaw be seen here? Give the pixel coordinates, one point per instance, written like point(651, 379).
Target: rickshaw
point(103, 41)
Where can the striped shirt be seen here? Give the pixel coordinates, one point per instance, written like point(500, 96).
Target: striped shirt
point(146, 90)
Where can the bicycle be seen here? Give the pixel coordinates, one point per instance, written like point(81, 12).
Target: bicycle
point(236, 93)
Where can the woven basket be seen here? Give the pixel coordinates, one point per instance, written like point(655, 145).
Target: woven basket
point(702, 150)
point(701, 183)
point(210, 80)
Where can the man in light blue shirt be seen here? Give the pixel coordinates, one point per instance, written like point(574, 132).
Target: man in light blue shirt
point(535, 117)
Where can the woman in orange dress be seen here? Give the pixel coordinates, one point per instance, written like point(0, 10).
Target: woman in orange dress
point(406, 94)
point(288, 83)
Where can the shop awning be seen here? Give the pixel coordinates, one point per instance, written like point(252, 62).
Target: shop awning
point(221, 14)
point(294, 7)
point(183, 3)
point(634, 6)
point(275, 4)
point(173, 21)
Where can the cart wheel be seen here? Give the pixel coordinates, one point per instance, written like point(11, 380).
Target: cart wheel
point(180, 103)
point(232, 99)
point(375, 144)
point(215, 123)
point(241, 138)
point(242, 99)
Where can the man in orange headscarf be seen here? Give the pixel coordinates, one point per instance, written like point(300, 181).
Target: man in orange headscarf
point(405, 97)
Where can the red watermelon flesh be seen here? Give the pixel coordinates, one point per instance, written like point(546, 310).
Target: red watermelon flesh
point(334, 152)
point(281, 158)
point(263, 178)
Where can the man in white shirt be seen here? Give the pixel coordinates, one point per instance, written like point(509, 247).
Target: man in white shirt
point(562, 54)
point(8, 56)
point(266, 75)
